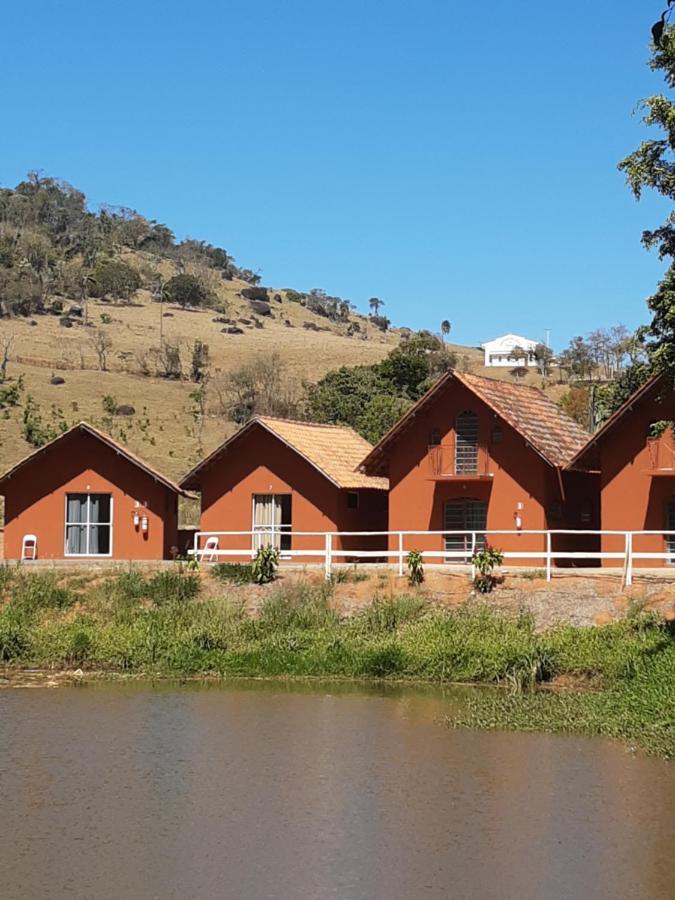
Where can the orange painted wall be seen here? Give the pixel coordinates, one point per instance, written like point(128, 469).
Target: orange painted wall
point(259, 463)
point(35, 500)
point(632, 499)
point(416, 502)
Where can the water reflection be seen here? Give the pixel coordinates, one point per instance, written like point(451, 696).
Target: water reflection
point(258, 790)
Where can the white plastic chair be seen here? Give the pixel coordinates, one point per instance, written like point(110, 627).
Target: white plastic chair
point(209, 549)
point(29, 547)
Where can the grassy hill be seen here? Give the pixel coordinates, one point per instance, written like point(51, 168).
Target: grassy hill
point(51, 250)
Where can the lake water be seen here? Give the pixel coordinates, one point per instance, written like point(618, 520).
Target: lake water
point(270, 791)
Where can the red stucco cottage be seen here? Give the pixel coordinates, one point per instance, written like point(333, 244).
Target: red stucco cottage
point(274, 476)
point(634, 456)
point(477, 454)
point(84, 496)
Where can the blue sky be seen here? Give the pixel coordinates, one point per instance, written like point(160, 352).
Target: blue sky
point(457, 160)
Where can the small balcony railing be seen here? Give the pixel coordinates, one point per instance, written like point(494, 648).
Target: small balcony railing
point(471, 464)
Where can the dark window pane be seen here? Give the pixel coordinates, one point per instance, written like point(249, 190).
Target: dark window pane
point(465, 516)
point(76, 539)
point(99, 540)
point(76, 508)
point(100, 508)
point(466, 446)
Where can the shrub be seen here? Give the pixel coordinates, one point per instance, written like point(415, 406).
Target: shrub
point(114, 278)
point(37, 591)
point(130, 585)
point(415, 563)
point(6, 576)
point(79, 644)
point(390, 614)
point(172, 587)
point(265, 564)
point(298, 608)
point(383, 660)
point(14, 636)
point(485, 561)
point(186, 290)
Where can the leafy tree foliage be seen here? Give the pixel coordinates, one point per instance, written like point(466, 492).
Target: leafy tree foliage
point(543, 356)
point(114, 279)
point(52, 243)
point(371, 399)
point(381, 413)
point(186, 290)
point(576, 403)
point(609, 397)
point(341, 396)
point(652, 165)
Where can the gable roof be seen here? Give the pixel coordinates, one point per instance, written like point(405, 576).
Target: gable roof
point(641, 393)
point(546, 428)
point(86, 428)
point(509, 341)
point(334, 450)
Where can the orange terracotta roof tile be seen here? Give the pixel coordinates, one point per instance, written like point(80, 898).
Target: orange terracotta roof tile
point(335, 450)
point(549, 431)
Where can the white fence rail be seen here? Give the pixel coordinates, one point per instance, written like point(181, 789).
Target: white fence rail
point(397, 544)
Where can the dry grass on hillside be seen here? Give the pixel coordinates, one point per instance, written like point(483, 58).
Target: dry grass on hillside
point(169, 440)
point(163, 429)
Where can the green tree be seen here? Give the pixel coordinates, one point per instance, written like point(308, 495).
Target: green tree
point(380, 414)
point(186, 290)
point(577, 359)
point(114, 279)
point(652, 165)
point(445, 329)
point(374, 304)
point(413, 366)
point(544, 357)
point(342, 395)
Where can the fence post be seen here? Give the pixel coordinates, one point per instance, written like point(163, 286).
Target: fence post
point(548, 555)
point(629, 558)
point(400, 553)
point(473, 553)
point(329, 554)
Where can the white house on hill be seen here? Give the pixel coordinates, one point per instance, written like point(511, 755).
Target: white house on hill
point(499, 352)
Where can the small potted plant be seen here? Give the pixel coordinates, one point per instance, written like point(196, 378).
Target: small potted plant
point(484, 562)
point(415, 562)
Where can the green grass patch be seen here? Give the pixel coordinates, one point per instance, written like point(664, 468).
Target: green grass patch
point(158, 624)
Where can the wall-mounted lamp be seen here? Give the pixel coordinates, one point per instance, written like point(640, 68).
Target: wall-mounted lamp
point(518, 515)
point(140, 516)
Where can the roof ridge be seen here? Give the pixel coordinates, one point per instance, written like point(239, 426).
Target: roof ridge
point(525, 411)
point(308, 423)
point(335, 452)
point(507, 384)
point(106, 439)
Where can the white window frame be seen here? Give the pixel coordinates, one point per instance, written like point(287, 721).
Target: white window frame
point(88, 524)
